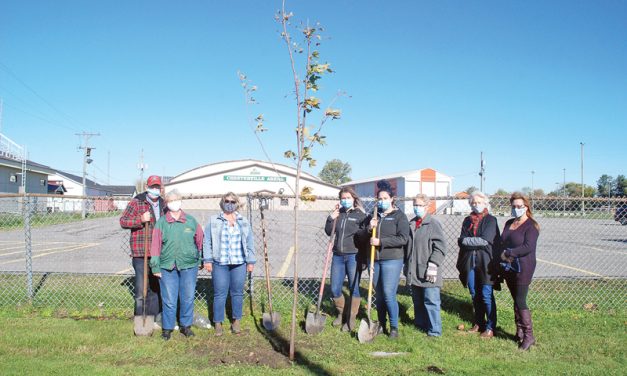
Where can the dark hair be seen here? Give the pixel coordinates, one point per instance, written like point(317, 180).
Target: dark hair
point(351, 191)
point(385, 186)
point(525, 199)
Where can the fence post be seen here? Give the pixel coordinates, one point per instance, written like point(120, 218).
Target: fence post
point(27, 212)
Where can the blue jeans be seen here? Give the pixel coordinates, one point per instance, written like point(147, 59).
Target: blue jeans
point(153, 297)
point(483, 302)
point(228, 279)
point(343, 266)
point(427, 309)
point(181, 285)
point(387, 274)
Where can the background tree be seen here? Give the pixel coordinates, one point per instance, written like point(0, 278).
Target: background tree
point(335, 172)
point(471, 189)
point(605, 185)
point(621, 186)
point(501, 192)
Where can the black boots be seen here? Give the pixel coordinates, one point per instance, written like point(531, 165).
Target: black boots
point(166, 334)
point(187, 331)
point(527, 329)
point(519, 330)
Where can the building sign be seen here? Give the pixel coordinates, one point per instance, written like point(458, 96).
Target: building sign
point(254, 178)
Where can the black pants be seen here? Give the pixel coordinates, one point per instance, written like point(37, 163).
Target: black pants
point(519, 294)
point(153, 295)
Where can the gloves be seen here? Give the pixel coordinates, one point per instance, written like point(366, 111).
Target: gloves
point(432, 272)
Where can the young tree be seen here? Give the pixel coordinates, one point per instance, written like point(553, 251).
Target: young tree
point(621, 186)
point(335, 172)
point(605, 184)
point(501, 192)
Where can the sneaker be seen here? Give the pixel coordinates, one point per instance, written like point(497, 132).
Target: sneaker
point(166, 334)
point(487, 334)
point(393, 333)
point(218, 329)
point(187, 331)
point(475, 329)
point(235, 327)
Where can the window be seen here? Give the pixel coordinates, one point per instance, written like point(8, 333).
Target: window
point(12, 178)
point(43, 182)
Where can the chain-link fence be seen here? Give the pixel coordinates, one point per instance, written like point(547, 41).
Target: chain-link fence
point(51, 256)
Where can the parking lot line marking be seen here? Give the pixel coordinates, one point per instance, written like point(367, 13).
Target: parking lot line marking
point(286, 263)
point(75, 248)
point(605, 250)
point(570, 267)
point(36, 250)
point(124, 271)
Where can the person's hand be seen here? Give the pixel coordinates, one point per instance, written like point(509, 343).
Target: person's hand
point(209, 267)
point(146, 217)
point(158, 275)
point(373, 223)
point(432, 272)
point(336, 212)
point(505, 258)
point(375, 241)
point(250, 267)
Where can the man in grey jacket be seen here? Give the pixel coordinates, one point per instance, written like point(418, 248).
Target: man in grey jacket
point(423, 268)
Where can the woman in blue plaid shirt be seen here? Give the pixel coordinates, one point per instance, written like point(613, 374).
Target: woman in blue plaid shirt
point(229, 253)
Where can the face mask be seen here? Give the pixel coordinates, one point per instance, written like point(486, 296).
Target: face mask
point(229, 207)
point(383, 205)
point(478, 208)
point(346, 203)
point(419, 211)
point(175, 205)
point(154, 192)
point(516, 212)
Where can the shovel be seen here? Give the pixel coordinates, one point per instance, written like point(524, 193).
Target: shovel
point(144, 325)
point(270, 320)
point(369, 329)
point(314, 323)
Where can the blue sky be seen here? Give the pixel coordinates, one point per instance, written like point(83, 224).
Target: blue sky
point(431, 84)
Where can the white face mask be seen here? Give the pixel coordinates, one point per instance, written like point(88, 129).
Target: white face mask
point(518, 212)
point(175, 205)
point(478, 208)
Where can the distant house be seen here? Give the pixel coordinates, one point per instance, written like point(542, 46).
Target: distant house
point(11, 176)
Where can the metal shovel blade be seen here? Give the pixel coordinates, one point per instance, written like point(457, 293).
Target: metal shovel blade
point(143, 326)
point(314, 322)
point(271, 321)
point(367, 331)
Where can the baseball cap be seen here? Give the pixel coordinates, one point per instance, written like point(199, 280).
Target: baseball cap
point(153, 180)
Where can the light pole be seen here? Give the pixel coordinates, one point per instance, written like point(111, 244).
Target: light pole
point(582, 186)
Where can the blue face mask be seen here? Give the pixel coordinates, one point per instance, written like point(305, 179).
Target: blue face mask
point(518, 212)
point(154, 192)
point(346, 203)
point(229, 207)
point(383, 205)
point(419, 211)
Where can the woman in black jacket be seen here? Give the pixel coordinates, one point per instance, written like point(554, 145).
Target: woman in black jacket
point(348, 218)
point(391, 238)
point(476, 262)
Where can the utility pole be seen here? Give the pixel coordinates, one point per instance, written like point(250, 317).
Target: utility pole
point(86, 160)
point(583, 209)
point(481, 174)
point(141, 166)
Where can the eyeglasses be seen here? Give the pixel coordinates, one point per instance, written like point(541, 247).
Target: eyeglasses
point(230, 202)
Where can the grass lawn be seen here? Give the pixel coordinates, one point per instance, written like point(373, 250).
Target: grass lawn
point(41, 341)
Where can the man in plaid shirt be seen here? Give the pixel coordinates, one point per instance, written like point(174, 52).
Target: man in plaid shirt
point(146, 207)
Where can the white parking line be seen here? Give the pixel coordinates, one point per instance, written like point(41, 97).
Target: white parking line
point(124, 271)
point(75, 248)
point(605, 250)
point(570, 267)
point(286, 263)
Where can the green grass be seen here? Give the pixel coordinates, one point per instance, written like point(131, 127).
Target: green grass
point(48, 340)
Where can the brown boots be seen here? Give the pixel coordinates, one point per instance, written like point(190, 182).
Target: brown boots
point(527, 329)
point(339, 307)
point(351, 322)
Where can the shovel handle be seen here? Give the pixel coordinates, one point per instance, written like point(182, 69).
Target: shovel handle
point(146, 250)
point(265, 257)
point(371, 269)
point(326, 264)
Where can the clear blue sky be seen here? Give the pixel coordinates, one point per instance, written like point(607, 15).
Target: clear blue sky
point(432, 84)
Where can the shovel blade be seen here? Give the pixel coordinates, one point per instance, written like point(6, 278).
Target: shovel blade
point(143, 325)
point(314, 323)
point(271, 321)
point(367, 330)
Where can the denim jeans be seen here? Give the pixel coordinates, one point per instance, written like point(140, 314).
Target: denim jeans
point(153, 296)
point(483, 302)
point(387, 274)
point(228, 279)
point(427, 309)
point(181, 285)
point(343, 266)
